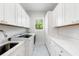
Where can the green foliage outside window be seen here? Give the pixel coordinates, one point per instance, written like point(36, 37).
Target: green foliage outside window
point(39, 24)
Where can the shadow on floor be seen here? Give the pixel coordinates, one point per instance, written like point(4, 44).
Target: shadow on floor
point(40, 50)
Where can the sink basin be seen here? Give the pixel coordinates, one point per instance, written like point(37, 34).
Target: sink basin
point(25, 36)
point(6, 47)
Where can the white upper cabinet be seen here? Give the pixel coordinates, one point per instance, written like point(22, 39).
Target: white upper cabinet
point(25, 19)
point(58, 15)
point(76, 13)
point(10, 13)
point(13, 14)
point(68, 16)
point(46, 22)
point(65, 14)
point(21, 16)
point(18, 15)
point(1, 12)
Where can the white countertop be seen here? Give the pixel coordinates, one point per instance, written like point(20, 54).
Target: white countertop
point(12, 49)
point(69, 44)
point(29, 33)
point(23, 34)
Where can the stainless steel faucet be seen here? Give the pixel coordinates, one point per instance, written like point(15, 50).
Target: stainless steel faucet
point(4, 33)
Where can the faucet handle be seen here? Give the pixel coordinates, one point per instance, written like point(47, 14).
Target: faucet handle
point(9, 39)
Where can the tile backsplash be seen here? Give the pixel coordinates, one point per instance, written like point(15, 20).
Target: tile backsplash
point(10, 31)
point(70, 31)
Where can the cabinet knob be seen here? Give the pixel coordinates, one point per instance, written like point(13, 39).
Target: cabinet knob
point(61, 51)
point(60, 55)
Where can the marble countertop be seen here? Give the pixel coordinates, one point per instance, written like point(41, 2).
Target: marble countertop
point(12, 49)
point(23, 34)
point(69, 44)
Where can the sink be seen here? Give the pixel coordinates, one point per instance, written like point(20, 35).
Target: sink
point(25, 36)
point(4, 48)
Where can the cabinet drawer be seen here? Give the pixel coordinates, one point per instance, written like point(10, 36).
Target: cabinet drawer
point(55, 49)
point(60, 51)
point(64, 53)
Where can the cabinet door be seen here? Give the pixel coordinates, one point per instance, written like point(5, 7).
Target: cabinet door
point(23, 18)
point(60, 15)
point(10, 13)
point(18, 15)
point(51, 47)
point(55, 20)
point(76, 13)
point(46, 22)
point(68, 13)
point(31, 45)
point(59, 50)
point(65, 53)
point(27, 21)
point(1, 12)
point(51, 19)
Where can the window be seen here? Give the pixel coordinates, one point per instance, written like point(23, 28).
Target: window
point(39, 24)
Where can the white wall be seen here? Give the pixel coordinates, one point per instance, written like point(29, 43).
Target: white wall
point(10, 31)
point(40, 34)
point(35, 16)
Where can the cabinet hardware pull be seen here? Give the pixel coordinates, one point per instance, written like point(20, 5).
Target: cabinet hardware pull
point(61, 51)
point(59, 54)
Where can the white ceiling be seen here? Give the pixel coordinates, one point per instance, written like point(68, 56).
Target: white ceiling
point(38, 7)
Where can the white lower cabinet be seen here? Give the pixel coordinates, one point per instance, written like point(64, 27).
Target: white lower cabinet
point(28, 44)
point(60, 51)
point(54, 49)
point(51, 48)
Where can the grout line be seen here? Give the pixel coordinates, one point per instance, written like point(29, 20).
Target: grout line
point(47, 50)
